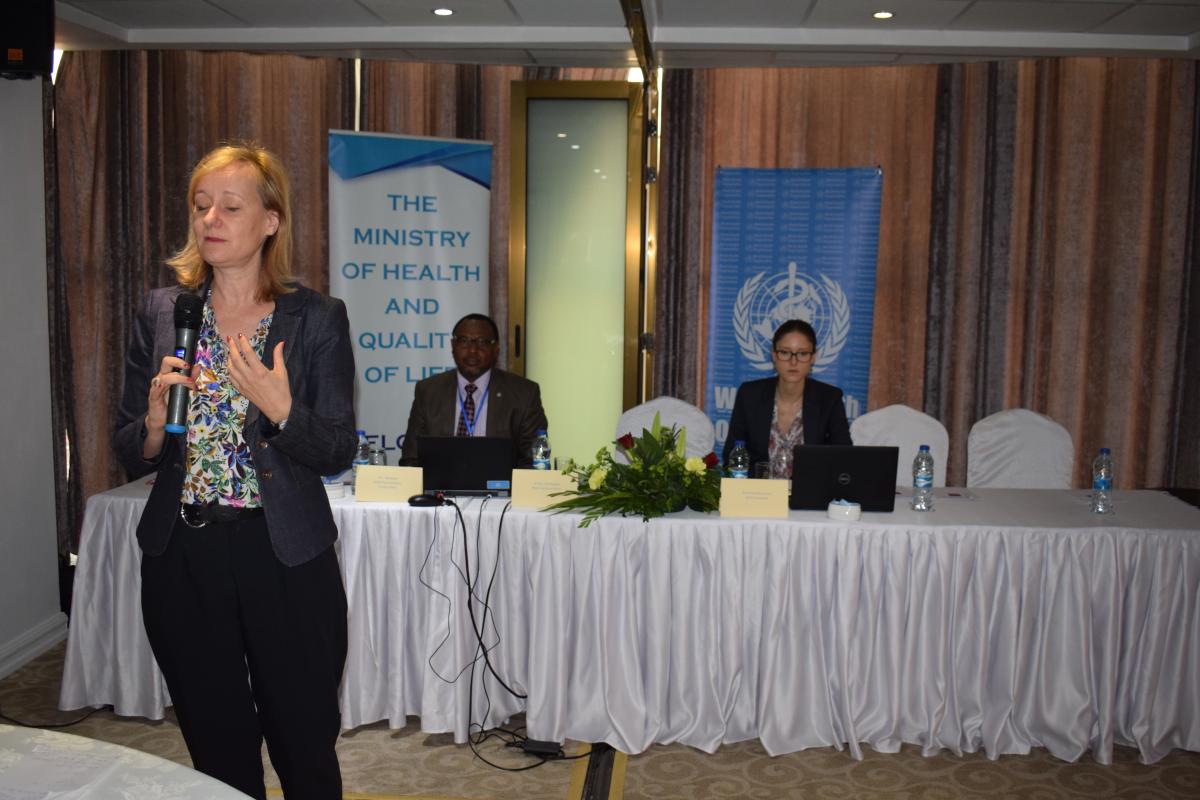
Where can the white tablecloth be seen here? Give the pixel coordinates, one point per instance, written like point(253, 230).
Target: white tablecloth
point(37, 764)
point(1004, 620)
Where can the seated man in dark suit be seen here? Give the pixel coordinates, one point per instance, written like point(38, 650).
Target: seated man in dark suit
point(477, 399)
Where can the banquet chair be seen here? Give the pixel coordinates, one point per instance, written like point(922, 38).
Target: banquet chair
point(1019, 449)
point(908, 429)
point(672, 411)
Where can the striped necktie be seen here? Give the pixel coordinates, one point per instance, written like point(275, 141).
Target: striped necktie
point(467, 417)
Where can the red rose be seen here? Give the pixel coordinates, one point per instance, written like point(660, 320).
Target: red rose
point(711, 460)
point(626, 441)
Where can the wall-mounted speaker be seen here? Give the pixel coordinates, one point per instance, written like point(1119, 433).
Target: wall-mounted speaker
point(26, 38)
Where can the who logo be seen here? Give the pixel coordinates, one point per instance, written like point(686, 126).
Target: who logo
point(767, 301)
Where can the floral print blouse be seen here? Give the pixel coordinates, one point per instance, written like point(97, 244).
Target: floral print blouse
point(218, 458)
point(781, 443)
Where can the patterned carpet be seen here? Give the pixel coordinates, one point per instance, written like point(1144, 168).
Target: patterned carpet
point(381, 764)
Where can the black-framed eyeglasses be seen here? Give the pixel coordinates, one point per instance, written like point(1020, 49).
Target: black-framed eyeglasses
point(471, 341)
point(803, 356)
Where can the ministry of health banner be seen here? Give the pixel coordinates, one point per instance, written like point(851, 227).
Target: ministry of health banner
point(408, 253)
point(792, 244)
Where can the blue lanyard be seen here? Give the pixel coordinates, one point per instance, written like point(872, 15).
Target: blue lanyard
point(462, 411)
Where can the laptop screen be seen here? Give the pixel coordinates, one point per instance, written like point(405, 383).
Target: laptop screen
point(466, 464)
point(863, 475)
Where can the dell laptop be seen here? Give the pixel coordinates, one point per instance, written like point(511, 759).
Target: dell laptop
point(466, 465)
point(863, 475)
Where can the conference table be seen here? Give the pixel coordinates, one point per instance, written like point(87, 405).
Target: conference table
point(1002, 621)
point(37, 764)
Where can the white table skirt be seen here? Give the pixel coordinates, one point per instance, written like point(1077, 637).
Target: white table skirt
point(1005, 620)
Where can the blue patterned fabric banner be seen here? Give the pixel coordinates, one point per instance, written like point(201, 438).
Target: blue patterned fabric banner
point(792, 244)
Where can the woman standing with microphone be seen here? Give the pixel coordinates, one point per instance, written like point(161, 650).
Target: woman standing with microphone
point(241, 590)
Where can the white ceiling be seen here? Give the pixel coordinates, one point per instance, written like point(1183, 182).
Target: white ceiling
point(684, 33)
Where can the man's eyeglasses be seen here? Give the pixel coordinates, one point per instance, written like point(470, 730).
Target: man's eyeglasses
point(803, 356)
point(471, 341)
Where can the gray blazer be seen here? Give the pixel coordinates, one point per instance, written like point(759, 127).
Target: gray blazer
point(514, 410)
point(319, 438)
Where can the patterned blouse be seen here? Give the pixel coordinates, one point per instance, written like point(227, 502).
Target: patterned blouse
point(218, 458)
point(779, 447)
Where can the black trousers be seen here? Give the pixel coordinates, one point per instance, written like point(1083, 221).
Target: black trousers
point(250, 649)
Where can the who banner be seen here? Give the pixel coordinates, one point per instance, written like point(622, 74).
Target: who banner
point(408, 253)
point(792, 244)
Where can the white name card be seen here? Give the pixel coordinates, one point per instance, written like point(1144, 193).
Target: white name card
point(374, 483)
point(754, 497)
point(533, 488)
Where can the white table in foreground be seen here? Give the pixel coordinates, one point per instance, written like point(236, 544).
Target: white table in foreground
point(1005, 620)
point(42, 764)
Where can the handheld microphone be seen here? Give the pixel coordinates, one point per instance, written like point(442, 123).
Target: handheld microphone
point(189, 311)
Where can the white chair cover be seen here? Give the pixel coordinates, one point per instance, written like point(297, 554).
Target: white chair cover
point(906, 428)
point(1019, 449)
point(671, 411)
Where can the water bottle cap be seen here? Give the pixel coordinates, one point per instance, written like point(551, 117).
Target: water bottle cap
point(541, 432)
point(361, 433)
point(1104, 451)
point(739, 442)
point(924, 448)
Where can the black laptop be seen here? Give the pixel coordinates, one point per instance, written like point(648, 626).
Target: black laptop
point(863, 475)
point(466, 464)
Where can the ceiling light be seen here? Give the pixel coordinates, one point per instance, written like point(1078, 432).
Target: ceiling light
point(574, 147)
point(561, 135)
point(882, 15)
point(443, 12)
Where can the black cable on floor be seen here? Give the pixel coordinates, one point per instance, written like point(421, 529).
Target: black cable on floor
point(48, 725)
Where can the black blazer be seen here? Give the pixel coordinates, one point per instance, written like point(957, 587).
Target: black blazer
point(319, 438)
point(514, 410)
point(824, 416)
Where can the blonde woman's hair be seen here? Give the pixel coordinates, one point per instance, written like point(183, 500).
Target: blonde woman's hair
point(276, 277)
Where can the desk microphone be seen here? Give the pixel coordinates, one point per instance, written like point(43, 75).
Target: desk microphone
point(428, 499)
point(189, 311)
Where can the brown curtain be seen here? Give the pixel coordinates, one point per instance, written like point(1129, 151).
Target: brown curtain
point(681, 285)
point(782, 118)
point(1058, 268)
point(462, 102)
point(1185, 458)
point(129, 125)
point(68, 496)
point(1037, 236)
point(453, 102)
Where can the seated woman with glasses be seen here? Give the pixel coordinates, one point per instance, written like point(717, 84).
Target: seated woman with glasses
point(773, 415)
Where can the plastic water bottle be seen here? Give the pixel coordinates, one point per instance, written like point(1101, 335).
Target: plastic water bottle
point(922, 498)
point(541, 451)
point(362, 455)
point(1102, 472)
point(739, 460)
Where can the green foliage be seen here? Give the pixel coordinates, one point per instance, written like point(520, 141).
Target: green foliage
point(657, 480)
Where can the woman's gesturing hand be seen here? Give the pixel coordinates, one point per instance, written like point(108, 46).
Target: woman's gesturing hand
point(266, 388)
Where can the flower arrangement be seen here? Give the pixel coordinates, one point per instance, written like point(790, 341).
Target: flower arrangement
point(658, 479)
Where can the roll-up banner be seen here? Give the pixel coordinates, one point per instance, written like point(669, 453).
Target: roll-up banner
point(792, 244)
point(408, 253)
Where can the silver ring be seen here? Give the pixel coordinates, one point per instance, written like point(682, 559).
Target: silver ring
point(155, 382)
